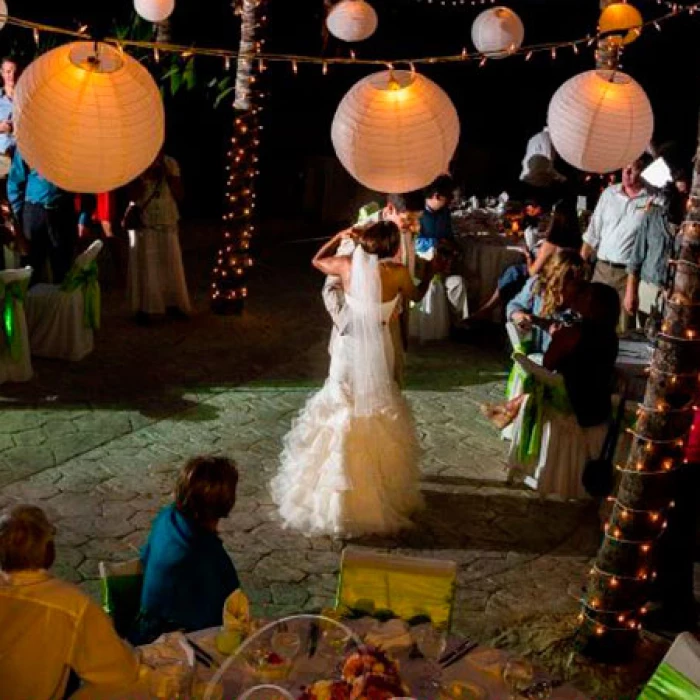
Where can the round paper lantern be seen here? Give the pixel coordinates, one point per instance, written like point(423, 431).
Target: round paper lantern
point(395, 131)
point(600, 121)
point(497, 32)
point(623, 18)
point(3, 13)
point(88, 122)
point(352, 20)
point(154, 10)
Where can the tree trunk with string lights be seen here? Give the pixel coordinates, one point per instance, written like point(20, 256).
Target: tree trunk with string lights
point(229, 284)
point(618, 588)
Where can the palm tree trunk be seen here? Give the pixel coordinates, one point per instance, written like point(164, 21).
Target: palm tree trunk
point(229, 288)
point(618, 588)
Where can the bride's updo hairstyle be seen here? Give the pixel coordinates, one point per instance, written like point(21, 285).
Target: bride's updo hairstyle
point(381, 239)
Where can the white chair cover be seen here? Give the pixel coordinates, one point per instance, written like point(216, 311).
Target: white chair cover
point(678, 675)
point(19, 370)
point(564, 450)
point(56, 318)
point(430, 317)
point(456, 289)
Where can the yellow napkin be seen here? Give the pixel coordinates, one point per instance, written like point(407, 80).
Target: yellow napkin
point(237, 612)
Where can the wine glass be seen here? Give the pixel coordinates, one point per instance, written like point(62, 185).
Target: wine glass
point(285, 643)
point(431, 642)
point(518, 675)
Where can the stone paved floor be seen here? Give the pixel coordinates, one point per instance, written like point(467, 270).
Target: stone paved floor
point(98, 444)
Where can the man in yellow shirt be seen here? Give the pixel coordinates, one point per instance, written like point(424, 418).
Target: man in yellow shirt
point(49, 627)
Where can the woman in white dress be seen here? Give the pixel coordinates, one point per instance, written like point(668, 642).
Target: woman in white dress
point(350, 462)
point(156, 278)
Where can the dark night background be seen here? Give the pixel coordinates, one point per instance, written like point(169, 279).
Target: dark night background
point(500, 105)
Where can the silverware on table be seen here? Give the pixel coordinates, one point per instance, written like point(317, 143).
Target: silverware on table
point(457, 654)
point(204, 657)
point(314, 634)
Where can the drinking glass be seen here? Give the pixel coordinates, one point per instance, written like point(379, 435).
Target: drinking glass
point(286, 643)
point(518, 675)
point(431, 642)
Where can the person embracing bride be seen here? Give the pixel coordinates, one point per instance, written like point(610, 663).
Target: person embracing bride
point(350, 463)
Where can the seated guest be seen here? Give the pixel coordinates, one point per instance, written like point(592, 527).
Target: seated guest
point(48, 627)
point(187, 573)
point(562, 233)
point(445, 303)
point(544, 295)
point(583, 351)
point(436, 222)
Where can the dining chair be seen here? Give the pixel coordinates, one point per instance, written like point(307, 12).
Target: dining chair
point(121, 584)
point(63, 318)
point(391, 585)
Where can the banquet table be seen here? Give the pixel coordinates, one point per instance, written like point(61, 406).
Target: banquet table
point(481, 668)
point(485, 256)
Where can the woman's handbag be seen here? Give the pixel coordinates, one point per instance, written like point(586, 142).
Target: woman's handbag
point(599, 474)
point(133, 216)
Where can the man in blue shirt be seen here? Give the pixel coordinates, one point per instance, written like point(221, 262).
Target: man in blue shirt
point(436, 222)
point(46, 215)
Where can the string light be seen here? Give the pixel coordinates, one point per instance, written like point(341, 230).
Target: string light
point(227, 55)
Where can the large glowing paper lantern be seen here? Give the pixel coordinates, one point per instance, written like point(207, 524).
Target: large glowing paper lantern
point(623, 18)
point(497, 32)
point(600, 121)
point(395, 131)
point(352, 20)
point(154, 10)
point(88, 122)
point(3, 13)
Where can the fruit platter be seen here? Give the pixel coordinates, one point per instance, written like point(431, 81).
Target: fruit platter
point(367, 674)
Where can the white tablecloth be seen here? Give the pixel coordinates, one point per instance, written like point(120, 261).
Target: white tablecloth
point(482, 667)
point(484, 259)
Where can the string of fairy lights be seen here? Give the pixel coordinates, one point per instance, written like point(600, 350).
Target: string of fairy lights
point(234, 257)
point(296, 60)
point(650, 458)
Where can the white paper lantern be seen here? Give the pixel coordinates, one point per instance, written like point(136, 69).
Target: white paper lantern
point(352, 20)
point(154, 10)
point(395, 131)
point(497, 32)
point(88, 123)
point(600, 121)
point(3, 13)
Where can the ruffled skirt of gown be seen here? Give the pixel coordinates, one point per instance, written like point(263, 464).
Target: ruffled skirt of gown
point(344, 475)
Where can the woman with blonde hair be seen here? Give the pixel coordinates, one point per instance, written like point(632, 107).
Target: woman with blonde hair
point(545, 295)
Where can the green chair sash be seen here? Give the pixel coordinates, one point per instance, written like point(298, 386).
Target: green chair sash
point(516, 371)
point(367, 212)
point(539, 396)
point(669, 684)
point(85, 278)
point(11, 295)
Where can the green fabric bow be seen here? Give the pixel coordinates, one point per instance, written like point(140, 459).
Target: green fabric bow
point(525, 348)
point(11, 295)
point(367, 212)
point(669, 684)
point(85, 278)
point(540, 395)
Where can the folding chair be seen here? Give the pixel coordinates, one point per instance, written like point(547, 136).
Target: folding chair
point(404, 587)
point(121, 592)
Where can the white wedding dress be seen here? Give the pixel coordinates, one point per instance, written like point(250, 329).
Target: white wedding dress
point(350, 462)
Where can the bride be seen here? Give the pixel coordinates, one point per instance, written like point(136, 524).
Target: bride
point(350, 462)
